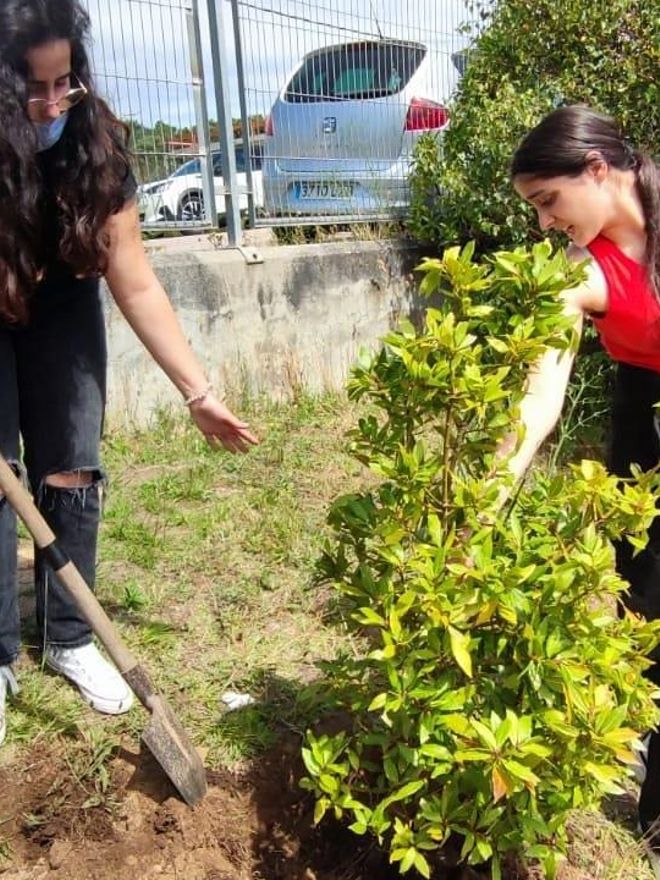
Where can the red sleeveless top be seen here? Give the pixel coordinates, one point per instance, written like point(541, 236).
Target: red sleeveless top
point(630, 329)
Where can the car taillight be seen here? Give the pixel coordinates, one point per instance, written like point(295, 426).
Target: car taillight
point(424, 115)
point(268, 127)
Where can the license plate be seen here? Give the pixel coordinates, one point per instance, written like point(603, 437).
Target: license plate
point(331, 189)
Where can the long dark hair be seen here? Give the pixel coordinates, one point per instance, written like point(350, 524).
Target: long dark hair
point(86, 170)
point(560, 145)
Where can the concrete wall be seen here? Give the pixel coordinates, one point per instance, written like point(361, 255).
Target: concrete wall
point(296, 320)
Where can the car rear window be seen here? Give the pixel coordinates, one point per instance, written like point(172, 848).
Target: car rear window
point(190, 167)
point(240, 162)
point(256, 159)
point(193, 166)
point(355, 71)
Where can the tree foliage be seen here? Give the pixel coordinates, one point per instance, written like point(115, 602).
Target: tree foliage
point(530, 56)
point(498, 688)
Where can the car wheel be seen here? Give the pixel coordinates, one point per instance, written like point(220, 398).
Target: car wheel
point(191, 207)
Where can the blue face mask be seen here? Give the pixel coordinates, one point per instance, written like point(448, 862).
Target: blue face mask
point(49, 133)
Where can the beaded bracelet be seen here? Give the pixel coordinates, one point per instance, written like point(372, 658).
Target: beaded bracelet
point(197, 398)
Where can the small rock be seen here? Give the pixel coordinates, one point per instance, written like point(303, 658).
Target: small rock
point(134, 822)
point(133, 818)
point(59, 853)
point(235, 700)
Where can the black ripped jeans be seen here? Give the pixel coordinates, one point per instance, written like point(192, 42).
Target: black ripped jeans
point(635, 438)
point(52, 397)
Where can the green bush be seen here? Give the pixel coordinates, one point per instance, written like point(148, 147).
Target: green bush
point(531, 55)
point(497, 689)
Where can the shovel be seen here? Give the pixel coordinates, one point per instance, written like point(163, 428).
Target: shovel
point(164, 735)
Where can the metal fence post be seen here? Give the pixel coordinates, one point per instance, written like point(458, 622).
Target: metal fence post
point(247, 134)
point(201, 113)
point(223, 105)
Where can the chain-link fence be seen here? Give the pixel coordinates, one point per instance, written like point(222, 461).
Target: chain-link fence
point(147, 58)
point(346, 88)
point(319, 103)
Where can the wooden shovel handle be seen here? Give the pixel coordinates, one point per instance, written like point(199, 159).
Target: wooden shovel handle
point(21, 501)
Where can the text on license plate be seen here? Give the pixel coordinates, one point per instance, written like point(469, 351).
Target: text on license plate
point(331, 189)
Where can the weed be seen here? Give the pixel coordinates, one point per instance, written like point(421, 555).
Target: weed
point(156, 632)
point(134, 598)
point(88, 764)
point(6, 849)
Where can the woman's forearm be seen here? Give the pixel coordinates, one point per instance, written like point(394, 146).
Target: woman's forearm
point(537, 422)
point(539, 412)
point(145, 305)
point(152, 318)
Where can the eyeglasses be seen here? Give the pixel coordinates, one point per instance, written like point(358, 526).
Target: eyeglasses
point(65, 102)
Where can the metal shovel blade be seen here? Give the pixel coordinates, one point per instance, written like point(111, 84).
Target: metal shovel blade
point(169, 744)
point(167, 741)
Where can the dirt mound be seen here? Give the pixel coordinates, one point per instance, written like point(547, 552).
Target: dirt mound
point(256, 825)
point(252, 826)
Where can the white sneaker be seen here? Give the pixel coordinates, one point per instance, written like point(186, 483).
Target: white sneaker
point(98, 681)
point(7, 680)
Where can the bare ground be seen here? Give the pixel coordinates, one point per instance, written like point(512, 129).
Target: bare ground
point(253, 825)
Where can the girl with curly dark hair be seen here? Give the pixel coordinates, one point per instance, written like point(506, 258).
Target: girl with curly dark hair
point(68, 216)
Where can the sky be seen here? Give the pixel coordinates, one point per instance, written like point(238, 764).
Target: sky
point(141, 50)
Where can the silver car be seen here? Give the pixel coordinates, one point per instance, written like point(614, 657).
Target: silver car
point(341, 134)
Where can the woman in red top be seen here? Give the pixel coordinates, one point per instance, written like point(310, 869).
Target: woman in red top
point(585, 180)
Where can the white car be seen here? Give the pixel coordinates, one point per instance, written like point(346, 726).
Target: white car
point(149, 200)
point(341, 134)
point(180, 196)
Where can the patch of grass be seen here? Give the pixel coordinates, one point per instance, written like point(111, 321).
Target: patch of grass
point(134, 540)
point(6, 849)
point(606, 850)
point(189, 483)
point(206, 558)
point(375, 230)
point(240, 734)
point(46, 706)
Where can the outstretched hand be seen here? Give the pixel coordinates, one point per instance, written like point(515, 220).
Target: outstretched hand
point(220, 426)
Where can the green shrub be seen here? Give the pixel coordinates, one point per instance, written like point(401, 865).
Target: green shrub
point(531, 55)
point(498, 689)
point(464, 191)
